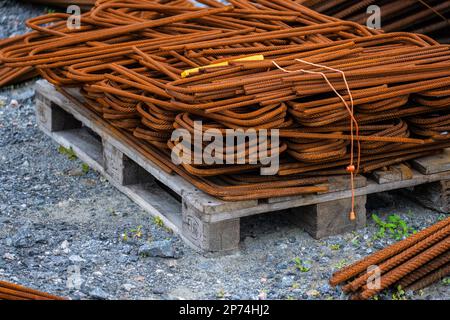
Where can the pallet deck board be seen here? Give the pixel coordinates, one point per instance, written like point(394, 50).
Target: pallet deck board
point(433, 164)
point(198, 213)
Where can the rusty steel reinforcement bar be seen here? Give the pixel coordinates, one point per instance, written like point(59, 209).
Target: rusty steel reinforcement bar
point(425, 270)
point(422, 16)
point(430, 279)
point(410, 264)
point(395, 275)
point(400, 258)
point(149, 67)
point(382, 255)
point(10, 291)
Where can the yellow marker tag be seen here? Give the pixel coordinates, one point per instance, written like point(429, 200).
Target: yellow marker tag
point(186, 73)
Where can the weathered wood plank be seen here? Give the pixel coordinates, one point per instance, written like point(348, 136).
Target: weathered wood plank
point(433, 164)
point(121, 168)
point(393, 174)
point(330, 218)
point(52, 117)
point(220, 236)
point(435, 195)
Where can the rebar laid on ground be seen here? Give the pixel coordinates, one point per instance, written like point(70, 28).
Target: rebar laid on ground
point(430, 279)
point(412, 263)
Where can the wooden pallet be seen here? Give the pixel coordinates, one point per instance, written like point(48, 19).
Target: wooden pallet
point(204, 222)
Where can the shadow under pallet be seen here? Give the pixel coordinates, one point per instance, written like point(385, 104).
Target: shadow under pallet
point(204, 222)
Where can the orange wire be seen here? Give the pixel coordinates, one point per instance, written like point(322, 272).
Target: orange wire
point(351, 168)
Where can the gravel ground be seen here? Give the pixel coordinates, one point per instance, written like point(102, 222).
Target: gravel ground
point(67, 231)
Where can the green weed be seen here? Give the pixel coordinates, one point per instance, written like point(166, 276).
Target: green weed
point(300, 265)
point(85, 168)
point(335, 247)
point(68, 152)
point(395, 226)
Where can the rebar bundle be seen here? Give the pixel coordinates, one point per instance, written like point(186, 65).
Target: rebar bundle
point(430, 17)
point(10, 291)
point(345, 98)
point(412, 264)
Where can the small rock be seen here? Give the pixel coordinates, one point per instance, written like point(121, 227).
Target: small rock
point(204, 265)
point(98, 294)
point(158, 291)
point(262, 295)
point(9, 256)
point(287, 282)
point(172, 263)
point(127, 249)
point(139, 278)
point(14, 103)
point(103, 236)
point(162, 249)
point(326, 288)
point(313, 293)
point(76, 172)
point(24, 237)
point(281, 266)
point(64, 245)
point(133, 259)
point(182, 293)
point(76, 258)
point(128, 287)
point(4, 220)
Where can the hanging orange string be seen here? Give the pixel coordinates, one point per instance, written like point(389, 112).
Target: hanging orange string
point(351, 169)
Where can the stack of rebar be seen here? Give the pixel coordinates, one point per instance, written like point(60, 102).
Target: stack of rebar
point(345, 98)
point(430, 17)
point(411, 264)
point(10, 291)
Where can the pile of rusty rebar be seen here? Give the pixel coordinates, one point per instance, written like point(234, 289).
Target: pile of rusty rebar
point(430, 17)
point(345, 98)
point(10, 291)
point(411, 264)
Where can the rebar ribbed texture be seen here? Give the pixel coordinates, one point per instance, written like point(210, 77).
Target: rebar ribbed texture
point(11, 291)
point(413, 263)
point(423, 16)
